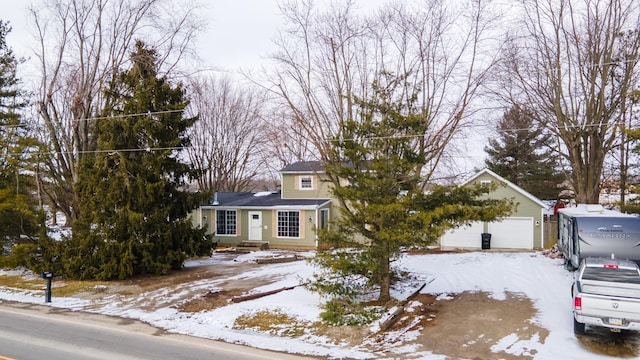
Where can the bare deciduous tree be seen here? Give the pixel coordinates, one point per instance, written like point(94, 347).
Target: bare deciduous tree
point(574, 63)
point(287, 141)
point(328, 58)
point(82, 45)
point(228, 140)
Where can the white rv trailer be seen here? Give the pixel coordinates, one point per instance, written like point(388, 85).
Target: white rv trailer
point(589, 230)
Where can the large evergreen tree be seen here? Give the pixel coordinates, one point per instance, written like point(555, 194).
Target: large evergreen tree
point(632, 205)
point(378, 161)
point(134, 204)
point(522, 154)
point(21, 222)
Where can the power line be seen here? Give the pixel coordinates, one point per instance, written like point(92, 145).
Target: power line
point(498, 130)
point(111, 117)
point(99, 151)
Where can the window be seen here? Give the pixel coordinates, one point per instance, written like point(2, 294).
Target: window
point(324, 218)
point(485, 183)
point(225, 222)
point(289, 224)
point(306, 183)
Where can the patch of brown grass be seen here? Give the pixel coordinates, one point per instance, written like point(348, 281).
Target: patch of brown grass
point(60, 287)
point(273, 323)
point(72, 287)
point(278, 324)
point(21, 282)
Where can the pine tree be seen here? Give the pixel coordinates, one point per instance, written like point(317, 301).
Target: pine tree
point(21, 222)
point(632, 204)
point(378, 161)
point(522, 154)
point(134, 213)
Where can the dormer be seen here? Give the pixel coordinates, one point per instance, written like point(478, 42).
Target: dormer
point(304, 180)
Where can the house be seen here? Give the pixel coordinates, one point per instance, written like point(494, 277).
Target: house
point(523, 229)
point(289, 218)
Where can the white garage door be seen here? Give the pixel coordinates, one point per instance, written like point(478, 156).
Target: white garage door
point(463, 237)
point(512, 233)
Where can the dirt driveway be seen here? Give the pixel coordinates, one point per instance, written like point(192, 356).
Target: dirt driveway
point(468, 326)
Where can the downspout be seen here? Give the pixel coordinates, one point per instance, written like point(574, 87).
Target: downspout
point(316, 227)
point(542, 232)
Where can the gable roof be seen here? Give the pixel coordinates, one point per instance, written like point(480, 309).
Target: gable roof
point(303, 167)
point(511, 185)
point(267, 199)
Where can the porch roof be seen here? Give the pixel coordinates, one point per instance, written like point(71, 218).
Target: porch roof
point(267, 199)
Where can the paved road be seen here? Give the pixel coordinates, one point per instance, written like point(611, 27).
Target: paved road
point(38, 332)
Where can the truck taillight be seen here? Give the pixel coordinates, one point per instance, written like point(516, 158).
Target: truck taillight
point(577, 303)
point(610, 266)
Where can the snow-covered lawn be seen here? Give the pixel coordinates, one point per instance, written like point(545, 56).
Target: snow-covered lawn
point(531, 274)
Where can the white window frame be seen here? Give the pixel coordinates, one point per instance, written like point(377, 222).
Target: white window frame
point(226, 224)
point(304, 180)
point(284, 225)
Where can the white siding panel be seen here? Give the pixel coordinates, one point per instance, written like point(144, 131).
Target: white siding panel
point(463, 237)
point(512, 233)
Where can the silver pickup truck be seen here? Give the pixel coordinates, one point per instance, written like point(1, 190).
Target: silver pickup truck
point(606, 292)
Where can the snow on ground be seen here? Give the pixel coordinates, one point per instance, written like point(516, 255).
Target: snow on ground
point(542, 279)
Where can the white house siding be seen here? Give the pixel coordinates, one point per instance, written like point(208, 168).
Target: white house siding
point(467, 236)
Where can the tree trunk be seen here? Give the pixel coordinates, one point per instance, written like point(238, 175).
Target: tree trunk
point(384, 270)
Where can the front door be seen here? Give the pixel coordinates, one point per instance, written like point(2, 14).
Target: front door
point(255, 226)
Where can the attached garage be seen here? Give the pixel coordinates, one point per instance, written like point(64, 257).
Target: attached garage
point(522, 230)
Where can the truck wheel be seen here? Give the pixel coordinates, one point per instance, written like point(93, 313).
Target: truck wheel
point(578, 328)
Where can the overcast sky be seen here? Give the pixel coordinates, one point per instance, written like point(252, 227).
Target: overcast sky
point(239, 33)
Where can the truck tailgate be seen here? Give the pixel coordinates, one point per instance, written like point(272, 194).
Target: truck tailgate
point(619, 301)
point(610, 289)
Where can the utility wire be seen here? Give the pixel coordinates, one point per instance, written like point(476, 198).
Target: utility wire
point(111, 117)
point(98, 151)
point(577, 126)
point(149, 149)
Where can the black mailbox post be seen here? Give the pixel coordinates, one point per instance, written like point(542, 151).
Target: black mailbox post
point(48, 275)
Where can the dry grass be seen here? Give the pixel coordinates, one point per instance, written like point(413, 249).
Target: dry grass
point(61, 287)
point(278, 324)
point(71, 287)
point(274, 323)
point(20, 282)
